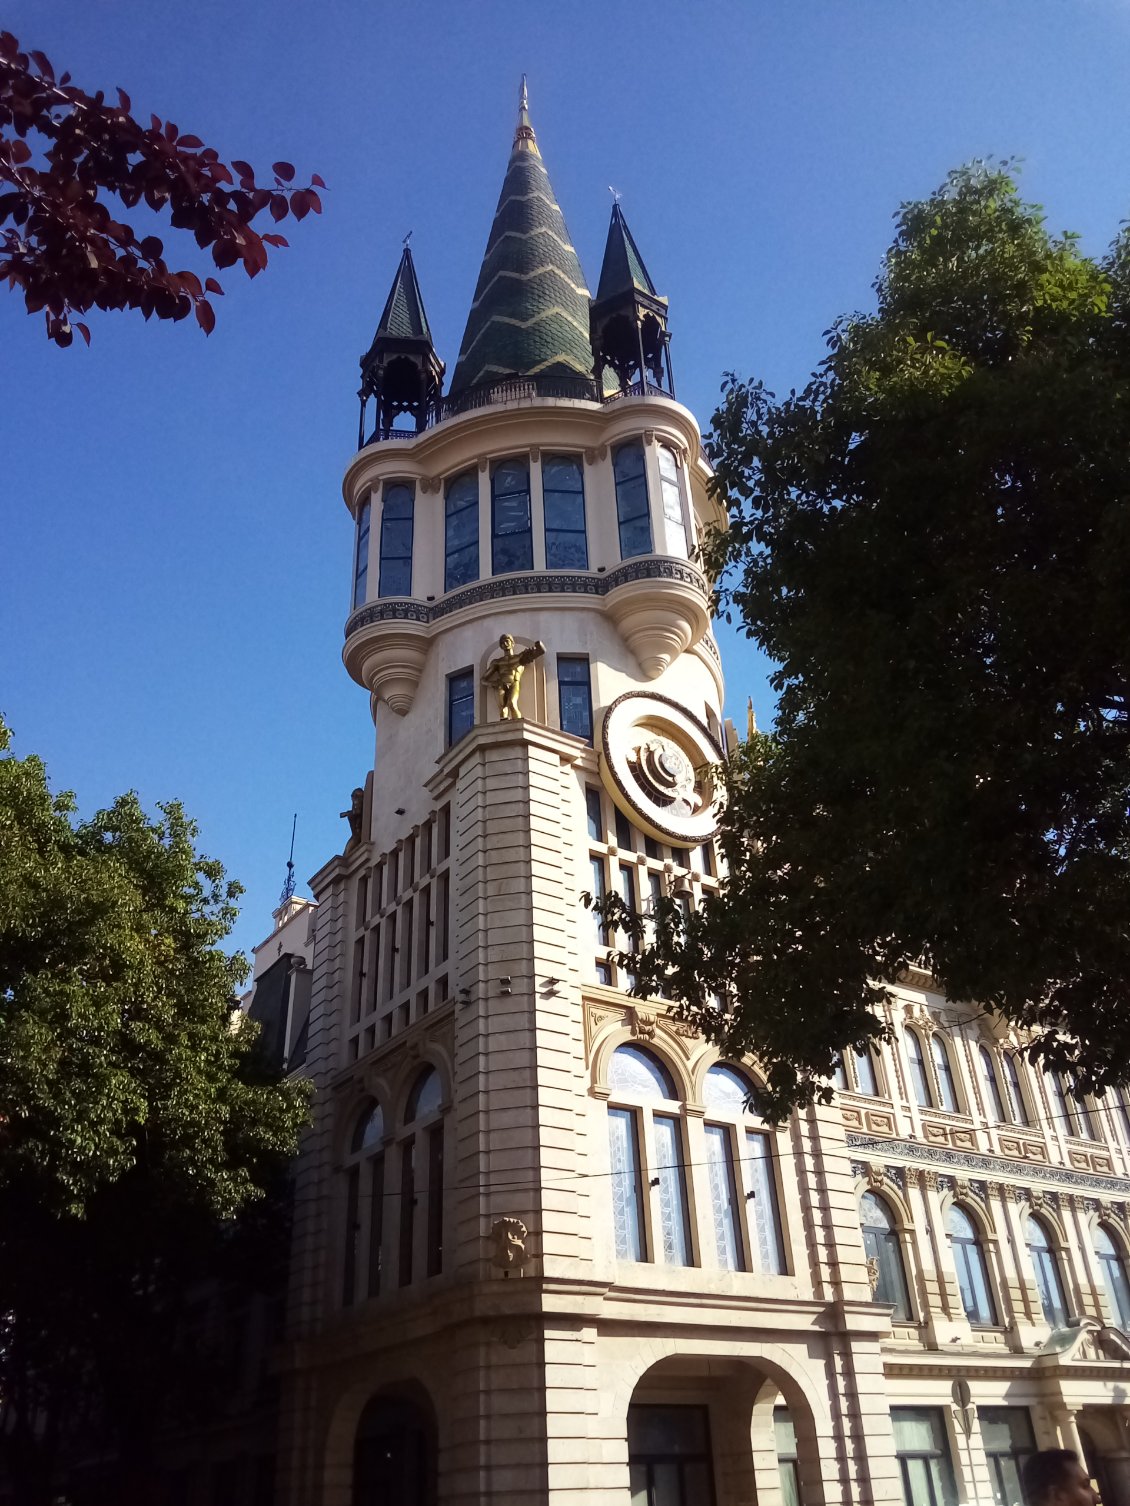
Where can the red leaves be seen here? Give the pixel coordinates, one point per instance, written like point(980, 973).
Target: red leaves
point(63, 248)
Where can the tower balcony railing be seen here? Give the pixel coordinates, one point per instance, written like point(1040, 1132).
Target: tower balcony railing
point(517, 389)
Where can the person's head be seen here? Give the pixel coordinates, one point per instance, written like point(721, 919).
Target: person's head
point(506, 643)
point(1055, 1477)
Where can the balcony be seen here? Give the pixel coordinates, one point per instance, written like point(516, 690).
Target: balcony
point(516, 389)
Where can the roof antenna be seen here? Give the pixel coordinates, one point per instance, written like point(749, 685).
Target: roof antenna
point(288, 888)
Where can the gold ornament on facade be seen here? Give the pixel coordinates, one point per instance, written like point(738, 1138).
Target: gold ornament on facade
point(504, 675)
point(508, 1236)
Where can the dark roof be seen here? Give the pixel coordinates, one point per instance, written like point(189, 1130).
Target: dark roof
point(622, 270)
point(404, 317)
point(530, 312)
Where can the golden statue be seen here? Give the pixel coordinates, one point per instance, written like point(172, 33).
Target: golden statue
point(505, 674)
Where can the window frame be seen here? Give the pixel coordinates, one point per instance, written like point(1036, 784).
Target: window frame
point(671, 491)
point(388, 494)
point(945, 1078)
point(422, 1130)
point(890, 1236)
point(585, 680)
point(756, 1232)
point(365, 1168)
point(661, 1226)
point(553, 531)
point(499, 537)
point(970, 1260)
point(620, 485)
point(996, 1108)
point(1116, 1289)
point(361, 553)
point(921, 1078)
point(1049, 1259)
point(941, 1482)
point(471, 548)
point(452, 700)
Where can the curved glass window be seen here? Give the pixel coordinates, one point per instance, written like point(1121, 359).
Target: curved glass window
point(634, 1070)
point(972, 1273)
point(1015, 1092)
point(741, 1172)
point(674, 522)
point(947, 1093)
point(426, 1096)
point(461, 531)
point(1049, 1282)
point(994, 1103)
point(397, 509)
point(1113, 1267)
point(361, 555)
point(919, 1078)
point(631, 500)
point(883, 1249)
point(511, 532)
point(563, 492)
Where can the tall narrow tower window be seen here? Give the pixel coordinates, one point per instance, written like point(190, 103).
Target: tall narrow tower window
point(461, 532)
point(396, 540)
point(361, 556)
point(460, 705)
point(673, 518)
point(575, 689)
point(563, 486)
point(511, 533)
point(631, 500)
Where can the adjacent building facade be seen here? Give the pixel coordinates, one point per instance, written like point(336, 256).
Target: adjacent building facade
point(545, 1248)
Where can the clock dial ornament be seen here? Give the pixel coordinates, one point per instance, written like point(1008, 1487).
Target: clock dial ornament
point(656, 761)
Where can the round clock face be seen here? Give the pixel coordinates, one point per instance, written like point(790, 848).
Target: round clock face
point(656, 761)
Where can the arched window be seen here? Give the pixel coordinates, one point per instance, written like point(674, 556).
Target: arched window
point(1072, 1113)
point(947, 1092)
point(1113, 1266)
point(364, 1207)
point(650, 1216)
point(397, 510)
point(994, 1103)
point(631, 500)
point(919, 1077)
point(511, 531)
point(742, 1176)
point(856, 1073)
point(674, 522)
point(361, 555)
point(563, 494)
point(972, 1272)
point(461, 531)
point(421, 1179)
point(1045, 1263)
point(883, 1249)
point(1015, 1091)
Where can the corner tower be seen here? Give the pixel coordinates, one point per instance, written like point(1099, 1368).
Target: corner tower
point(493, 1213)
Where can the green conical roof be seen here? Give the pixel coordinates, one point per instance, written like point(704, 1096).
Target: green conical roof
point(404, 317)
point(622, 270)
point(530, 313)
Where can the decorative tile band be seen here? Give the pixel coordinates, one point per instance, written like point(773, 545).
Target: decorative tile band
point(994, 1166)
point(535, 583)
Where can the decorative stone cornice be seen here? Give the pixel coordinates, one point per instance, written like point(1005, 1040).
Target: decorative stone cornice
point(997, 1167)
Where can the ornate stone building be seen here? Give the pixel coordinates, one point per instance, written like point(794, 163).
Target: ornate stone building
point(545, 1249)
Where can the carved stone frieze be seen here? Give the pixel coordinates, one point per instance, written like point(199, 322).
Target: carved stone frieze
point(1013, 1171)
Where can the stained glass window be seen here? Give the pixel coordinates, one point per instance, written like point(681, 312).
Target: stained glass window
point(671, 1175)
point(397, 510)
point(461, 531)
point(625, 1181)
point(361, 555)
point(512, 539)
point(631, 500)
point(635, 1071)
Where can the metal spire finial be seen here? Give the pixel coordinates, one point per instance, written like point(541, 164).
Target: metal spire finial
point(524, 138)
point(523, 95)
point(288, 887)
point(615, 192)
point(750, 720)
point(407, 238)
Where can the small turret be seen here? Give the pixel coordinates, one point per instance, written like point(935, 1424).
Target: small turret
point(401, 370)
point(628, 320)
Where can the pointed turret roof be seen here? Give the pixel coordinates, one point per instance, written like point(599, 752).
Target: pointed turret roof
point(622, 270)
point(530, 313)
point(404, 317)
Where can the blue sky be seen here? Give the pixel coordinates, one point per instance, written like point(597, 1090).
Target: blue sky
point(175, 554)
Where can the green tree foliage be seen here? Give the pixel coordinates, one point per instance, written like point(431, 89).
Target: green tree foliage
point(139, 1123)
point(932, 541)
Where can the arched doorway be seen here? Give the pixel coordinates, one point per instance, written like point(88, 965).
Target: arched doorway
point(717, 1431)
point(394, 1456)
